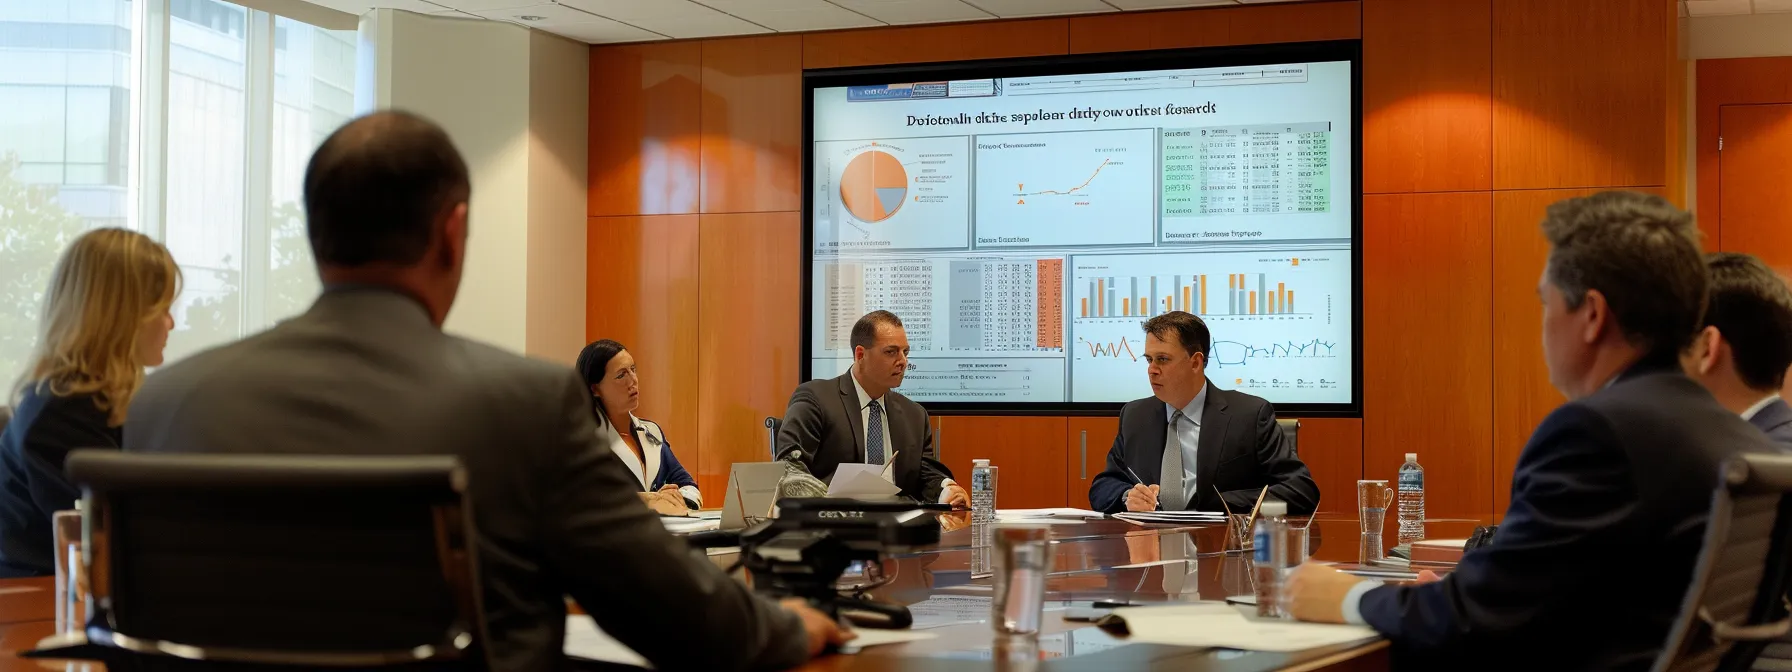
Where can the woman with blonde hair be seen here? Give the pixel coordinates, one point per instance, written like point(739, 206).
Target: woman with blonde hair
point(105, 318)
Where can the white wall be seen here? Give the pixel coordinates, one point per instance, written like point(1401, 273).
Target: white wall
point(509, 98)
point(1739, 36)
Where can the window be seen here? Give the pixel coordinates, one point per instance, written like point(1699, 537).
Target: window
point(217, 170)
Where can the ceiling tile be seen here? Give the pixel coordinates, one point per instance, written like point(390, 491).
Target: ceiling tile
point(356, 7)
point(915, 11)
point(673, 18)
point(540, 15)
point(418, 6)
point(793, 15)
point(1014, 8)
point(485, 5)
point(603, 31)
point(1716, 7)
point(1772, 6)
point(1167, 4)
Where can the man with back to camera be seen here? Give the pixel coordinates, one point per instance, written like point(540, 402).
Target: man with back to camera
point(368, 371)
point(1610, 496)
point(859, 417)
point(1743, 352)
point(1191, 442)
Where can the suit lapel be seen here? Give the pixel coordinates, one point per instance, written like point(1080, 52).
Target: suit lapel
point(899, 438)
point(1153, 431)
point(1213, 433)
point(849, 400)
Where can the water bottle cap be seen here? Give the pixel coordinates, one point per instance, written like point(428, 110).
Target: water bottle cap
point(1412, 457)
point(979, 463)
point(1274, 508)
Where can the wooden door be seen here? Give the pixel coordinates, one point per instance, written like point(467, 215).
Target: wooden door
point(1755, 183)
point(1029, 450)
point(1086, 444)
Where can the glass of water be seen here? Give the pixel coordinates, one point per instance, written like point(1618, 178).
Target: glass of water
point(1372, 498)
point(1023, 557)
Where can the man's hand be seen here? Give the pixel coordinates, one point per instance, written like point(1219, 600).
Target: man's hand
point(955, 495)
point(1316, 593)
point(822, 630)
point(1141, 498)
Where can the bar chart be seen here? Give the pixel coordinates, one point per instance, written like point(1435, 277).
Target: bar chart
point(1145, 296)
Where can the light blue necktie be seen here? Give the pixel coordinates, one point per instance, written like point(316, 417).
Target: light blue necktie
point(1170, 492)
point(874, 435)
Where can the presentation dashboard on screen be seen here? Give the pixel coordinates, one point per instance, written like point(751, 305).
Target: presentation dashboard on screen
point(1024, 227)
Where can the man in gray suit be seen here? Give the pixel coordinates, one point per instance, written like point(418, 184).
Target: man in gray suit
point(368, 371)
point(860, 418)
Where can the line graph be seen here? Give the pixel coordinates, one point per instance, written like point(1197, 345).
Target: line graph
point(1044, 189)
point(1110, 349)
point(1234, 353)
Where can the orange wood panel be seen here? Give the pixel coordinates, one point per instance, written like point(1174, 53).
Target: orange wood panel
point(1427, 336)
point(1574, 111)
point(642, 291)
point(1134, 31)
point(644, 129)
point(1028, 449)
point(1522, 395)
point(752, 124)
point(1427, 95)
point(928, 44)
point(1756, 204)
point(1086, 444)
point(1332, 449)
point(748, 302)
point(1729, 81)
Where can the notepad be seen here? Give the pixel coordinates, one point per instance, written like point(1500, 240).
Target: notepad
point(1078, 514)
point(1215, 624)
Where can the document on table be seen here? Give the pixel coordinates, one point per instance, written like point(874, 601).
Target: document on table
point(678, 525)
point(586, 641)
point(1172, 517)
point(860, 480)
point(1219, 625)
point(1069, 514)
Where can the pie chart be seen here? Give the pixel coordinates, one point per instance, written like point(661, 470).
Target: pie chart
point(873, 186)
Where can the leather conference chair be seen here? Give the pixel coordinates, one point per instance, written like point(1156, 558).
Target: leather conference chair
point(290, 562)
point(1736, 602)
point(1291, 433)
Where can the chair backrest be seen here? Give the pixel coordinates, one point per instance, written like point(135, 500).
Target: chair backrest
point(1735, 603)
point(771, 434)
point(5, 416)
point(1290, 434)
point(303, 561)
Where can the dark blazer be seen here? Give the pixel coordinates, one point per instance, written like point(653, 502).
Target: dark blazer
point(1591, 562)
point(43, 430)
point(823, 421)
point(364, 372)
point(1775, 420)
point(1241, 451)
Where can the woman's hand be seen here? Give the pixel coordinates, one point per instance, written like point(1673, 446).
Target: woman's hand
point(666, 504)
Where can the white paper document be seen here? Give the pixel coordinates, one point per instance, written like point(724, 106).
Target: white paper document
point(940, 610)
point(1076, 514)
point(860, 480)
point(1172, 517)
point(584, 640)
point(869, 638)
point(678, 525)
point(1219, 625)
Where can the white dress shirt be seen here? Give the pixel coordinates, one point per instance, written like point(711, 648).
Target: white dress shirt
point(1752, 410)
point(865, 429)
point(1188, 434)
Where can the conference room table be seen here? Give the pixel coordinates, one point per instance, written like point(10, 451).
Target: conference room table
point(1107, 560)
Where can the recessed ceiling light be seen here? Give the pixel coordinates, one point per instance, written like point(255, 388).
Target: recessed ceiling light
point(531, 17)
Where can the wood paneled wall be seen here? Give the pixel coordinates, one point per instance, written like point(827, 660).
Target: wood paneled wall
point(1477, 113)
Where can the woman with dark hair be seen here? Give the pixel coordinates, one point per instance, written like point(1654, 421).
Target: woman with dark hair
point(609, 372)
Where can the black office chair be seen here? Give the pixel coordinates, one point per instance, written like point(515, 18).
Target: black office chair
point(286, 561)
point(771, 434)
point(5, 416)
point(1291, 433)
point(1737, 599)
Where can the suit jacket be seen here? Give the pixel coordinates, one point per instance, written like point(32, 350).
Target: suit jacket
point(1241, 450)
point(33, 448)
point(1592, 560)
point(1775, 420)
point(823, 421)
point(364, 372)
point(657, 467)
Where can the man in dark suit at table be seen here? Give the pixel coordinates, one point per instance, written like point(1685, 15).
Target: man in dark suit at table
point(368, 371)
point(1190, 442)
point(1746, 346)
point(1610, 497)
point(860, 418)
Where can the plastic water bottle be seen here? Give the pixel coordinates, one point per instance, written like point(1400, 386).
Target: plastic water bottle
point(1269, 559)
point(1412, 500)
point(983, 493)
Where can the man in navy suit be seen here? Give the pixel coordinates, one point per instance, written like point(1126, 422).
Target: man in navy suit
point(1746, 346)
point(1611, 494)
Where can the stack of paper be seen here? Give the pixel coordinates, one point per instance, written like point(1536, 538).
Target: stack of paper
point(683, 525)
point(1214, 624)
point(1067, 514)
point(1173, 517)
point(860, 480)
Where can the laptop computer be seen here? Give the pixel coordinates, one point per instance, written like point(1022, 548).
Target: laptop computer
point(752, 493)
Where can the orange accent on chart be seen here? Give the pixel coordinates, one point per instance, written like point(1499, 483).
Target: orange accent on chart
point(874, 186)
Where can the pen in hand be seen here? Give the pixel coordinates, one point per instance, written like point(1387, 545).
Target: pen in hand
point(1141, 481)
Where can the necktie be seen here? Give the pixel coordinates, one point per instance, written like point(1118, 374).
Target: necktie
point(1170, 487)
point(874, 435)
